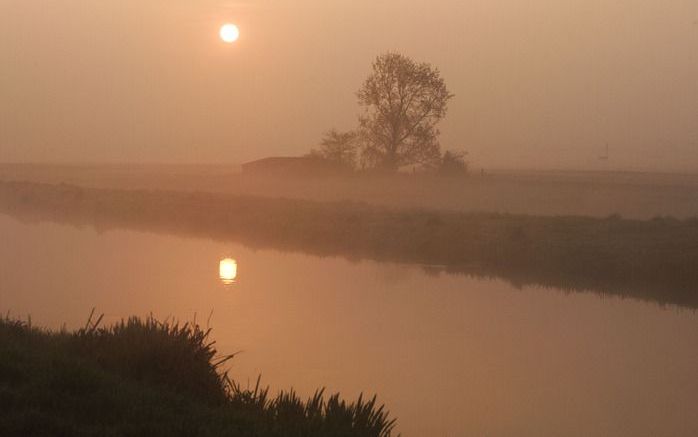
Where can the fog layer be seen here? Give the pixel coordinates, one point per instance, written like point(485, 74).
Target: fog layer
point(538, 84)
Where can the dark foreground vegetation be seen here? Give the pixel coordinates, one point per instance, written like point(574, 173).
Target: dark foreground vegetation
point(649, 259)
point(146, 378)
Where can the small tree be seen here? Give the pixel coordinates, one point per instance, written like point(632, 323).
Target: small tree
point(403, 101)
point(338, 147)
point(453, 164)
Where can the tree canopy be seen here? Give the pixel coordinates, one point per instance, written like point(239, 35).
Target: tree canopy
point(403, 101)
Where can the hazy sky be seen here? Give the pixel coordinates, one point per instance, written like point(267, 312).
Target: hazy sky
point(538, 83)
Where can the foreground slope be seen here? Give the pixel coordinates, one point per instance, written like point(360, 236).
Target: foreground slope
point(143, 377)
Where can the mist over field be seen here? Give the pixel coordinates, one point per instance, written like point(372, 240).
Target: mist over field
point(597, 194)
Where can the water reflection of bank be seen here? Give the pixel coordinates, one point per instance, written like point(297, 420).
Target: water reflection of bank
point(651, 260)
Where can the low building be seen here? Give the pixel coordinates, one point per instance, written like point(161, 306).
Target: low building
point(292, 166)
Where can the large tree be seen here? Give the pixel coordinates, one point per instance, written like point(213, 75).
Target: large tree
point(403, 101)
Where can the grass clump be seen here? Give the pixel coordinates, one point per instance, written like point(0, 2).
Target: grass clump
point(145, 377)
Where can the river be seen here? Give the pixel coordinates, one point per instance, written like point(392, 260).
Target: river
point(449, 355)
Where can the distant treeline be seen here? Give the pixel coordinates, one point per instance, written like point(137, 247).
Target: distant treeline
point(654, 259)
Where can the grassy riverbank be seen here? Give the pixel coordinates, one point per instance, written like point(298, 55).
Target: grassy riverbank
point(649, 259)
point(142, 377)
point(592, 193)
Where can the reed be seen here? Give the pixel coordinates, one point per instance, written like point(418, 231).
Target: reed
point(147, 377)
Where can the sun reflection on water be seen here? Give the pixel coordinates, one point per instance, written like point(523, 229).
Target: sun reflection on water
point(228, 271)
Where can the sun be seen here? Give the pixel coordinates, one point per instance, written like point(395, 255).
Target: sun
point(229, 33)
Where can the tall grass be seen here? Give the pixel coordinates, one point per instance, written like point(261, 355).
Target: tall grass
point(288, 414)
point(146, 377)
point(180, 356)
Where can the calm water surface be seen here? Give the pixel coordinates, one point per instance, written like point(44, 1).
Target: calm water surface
point(449, 355)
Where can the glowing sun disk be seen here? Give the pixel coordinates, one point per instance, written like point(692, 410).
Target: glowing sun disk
point(229, 33)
